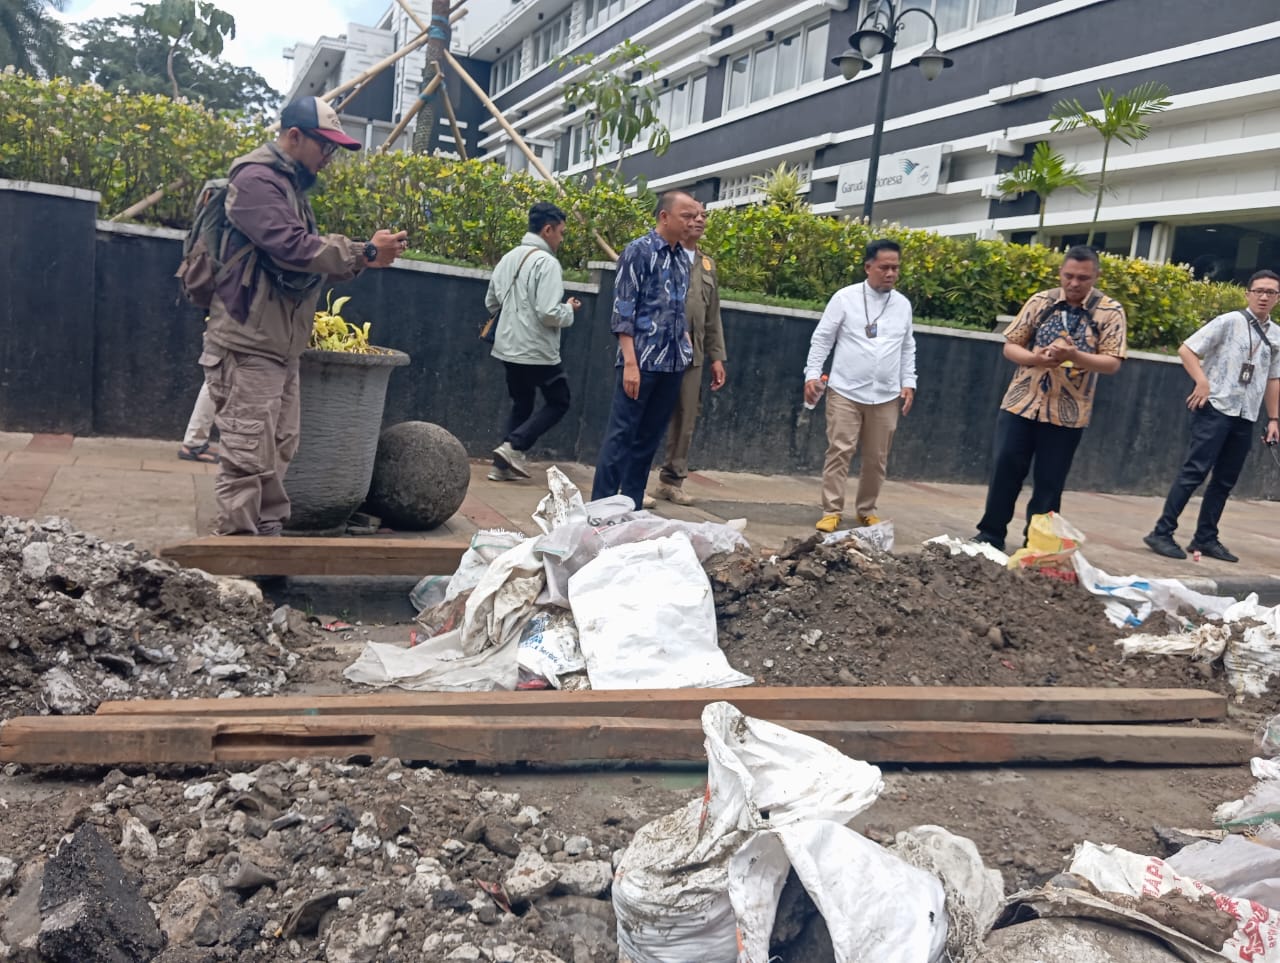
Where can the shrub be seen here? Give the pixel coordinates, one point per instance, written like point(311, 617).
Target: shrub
point(122, 145)
point(125, 146)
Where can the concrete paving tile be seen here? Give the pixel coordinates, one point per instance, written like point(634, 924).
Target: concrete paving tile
point(46, 442)
point(148, 509)
point(109, 461)
point(139, 448)
point(37, 457)
point(176, 466)
point(14, 440)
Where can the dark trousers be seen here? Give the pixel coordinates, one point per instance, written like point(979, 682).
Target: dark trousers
point(1219, 443)
point(525, 426)
point(635, 430)
point(1019, 443)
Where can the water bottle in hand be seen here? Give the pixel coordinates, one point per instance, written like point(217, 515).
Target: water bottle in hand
point(822, 386)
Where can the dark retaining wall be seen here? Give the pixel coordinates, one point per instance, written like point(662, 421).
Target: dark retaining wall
point(94, 339)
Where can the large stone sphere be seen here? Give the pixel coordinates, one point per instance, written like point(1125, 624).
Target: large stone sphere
point(420, 476)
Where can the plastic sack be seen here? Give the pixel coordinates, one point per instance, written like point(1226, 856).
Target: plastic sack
point(671, 890)
point(1131, 598)
point(1051, 541)
point(1261, 806)
point(570, 547)
point(549, 647)
point(974, 894)
point(563, 505)
point(958, 546)
point(646, 619)
point(878, 537)
point(1114, 870)
point(437, 665)
point(875, 905)
point(429, 593)
point(1235, 867)
point(486, 546)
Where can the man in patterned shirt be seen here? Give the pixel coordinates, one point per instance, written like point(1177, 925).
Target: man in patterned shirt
point(1234, 361)
point(1061, 341)
point(653, 348)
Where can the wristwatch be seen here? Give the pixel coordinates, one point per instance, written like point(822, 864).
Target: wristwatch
point(371, 252)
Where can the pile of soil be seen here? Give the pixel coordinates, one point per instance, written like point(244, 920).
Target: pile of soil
point(84, 620)
point(836, 615)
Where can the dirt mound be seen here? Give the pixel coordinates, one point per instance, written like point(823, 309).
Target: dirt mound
point(835, 615)
point(83, 620)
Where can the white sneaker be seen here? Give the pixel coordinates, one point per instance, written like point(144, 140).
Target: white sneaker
point(501, 474)
point(517, 461)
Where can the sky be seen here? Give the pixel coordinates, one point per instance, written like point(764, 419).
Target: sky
point(264, 28)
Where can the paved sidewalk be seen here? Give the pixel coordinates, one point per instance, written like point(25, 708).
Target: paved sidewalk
point(139, 491)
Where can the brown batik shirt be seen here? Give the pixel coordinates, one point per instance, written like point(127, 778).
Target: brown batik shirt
point(1064, 395)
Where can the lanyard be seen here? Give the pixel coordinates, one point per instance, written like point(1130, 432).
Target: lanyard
point(1251, 324)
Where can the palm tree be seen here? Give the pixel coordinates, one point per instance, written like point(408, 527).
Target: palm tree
point(1121, 118)
point(29, 36)
point(1045, 173)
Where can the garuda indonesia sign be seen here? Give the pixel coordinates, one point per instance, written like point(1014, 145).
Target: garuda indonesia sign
point(909, 174)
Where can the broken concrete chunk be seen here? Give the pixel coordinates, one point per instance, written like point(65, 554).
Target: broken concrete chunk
point(92, 910)
point(530, 877)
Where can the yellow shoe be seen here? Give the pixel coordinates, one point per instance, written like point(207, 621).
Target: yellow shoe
point(867, 521)
point(828, 522)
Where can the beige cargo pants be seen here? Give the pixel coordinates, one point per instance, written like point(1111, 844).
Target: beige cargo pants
point(257, 405)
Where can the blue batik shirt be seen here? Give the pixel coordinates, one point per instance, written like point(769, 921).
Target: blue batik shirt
point(648, 303)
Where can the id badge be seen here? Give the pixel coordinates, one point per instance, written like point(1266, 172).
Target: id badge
point(1246, 373)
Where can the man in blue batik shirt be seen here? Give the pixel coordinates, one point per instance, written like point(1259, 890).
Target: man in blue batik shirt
point(653, 348)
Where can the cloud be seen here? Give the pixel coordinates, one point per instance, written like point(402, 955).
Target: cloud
point(264, 28)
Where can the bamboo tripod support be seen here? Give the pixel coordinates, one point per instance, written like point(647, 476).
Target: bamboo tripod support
point(524, 147)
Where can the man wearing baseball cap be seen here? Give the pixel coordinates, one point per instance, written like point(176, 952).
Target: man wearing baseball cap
point(263, 309)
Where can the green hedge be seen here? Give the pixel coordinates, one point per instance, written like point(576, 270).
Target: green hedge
point(125, 146)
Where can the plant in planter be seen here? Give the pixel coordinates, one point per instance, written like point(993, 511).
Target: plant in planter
point(343, 386)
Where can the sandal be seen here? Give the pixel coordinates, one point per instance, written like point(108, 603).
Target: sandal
point(198, 453)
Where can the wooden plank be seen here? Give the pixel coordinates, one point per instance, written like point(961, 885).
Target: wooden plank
point(120, 740)
point(778, 703)
point(294, 555)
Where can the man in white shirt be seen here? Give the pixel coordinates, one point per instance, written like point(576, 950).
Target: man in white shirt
point(869, 325)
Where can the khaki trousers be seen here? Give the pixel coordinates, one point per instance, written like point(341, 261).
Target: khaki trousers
point(675, 469)
point(849, 423)
point(257, 405)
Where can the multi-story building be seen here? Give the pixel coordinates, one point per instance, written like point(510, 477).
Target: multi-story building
point(372, 113)
point(748, 84)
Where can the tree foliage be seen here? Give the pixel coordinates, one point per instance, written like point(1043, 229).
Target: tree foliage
point(622, 101)
point(196, 24)
point(129, 54)
point(30, 38)
point(1122, 117)
point(1045, 174)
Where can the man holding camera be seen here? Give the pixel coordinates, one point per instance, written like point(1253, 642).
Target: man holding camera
point(1234, 361)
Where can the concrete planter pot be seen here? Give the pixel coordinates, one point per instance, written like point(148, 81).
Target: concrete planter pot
point(342, 399)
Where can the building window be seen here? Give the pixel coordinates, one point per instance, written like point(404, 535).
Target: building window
point(596, 13)
point(575, 148)
point(787, 63)
point(552, 39)
point(952, 15)
point(506, 71)
point(683, 104)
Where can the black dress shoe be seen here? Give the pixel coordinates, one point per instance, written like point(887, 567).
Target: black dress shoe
point(1164, 545)
point(1214, 549)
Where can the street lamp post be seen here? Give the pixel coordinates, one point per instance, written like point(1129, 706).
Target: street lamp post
point(877, 33)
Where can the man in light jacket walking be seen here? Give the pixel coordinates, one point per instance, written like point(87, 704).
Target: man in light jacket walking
point(528, 287)
point(869, 325)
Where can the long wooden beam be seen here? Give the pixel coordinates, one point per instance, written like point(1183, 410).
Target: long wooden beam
point(123, 740)
point(779, 704)
point(294, 555)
